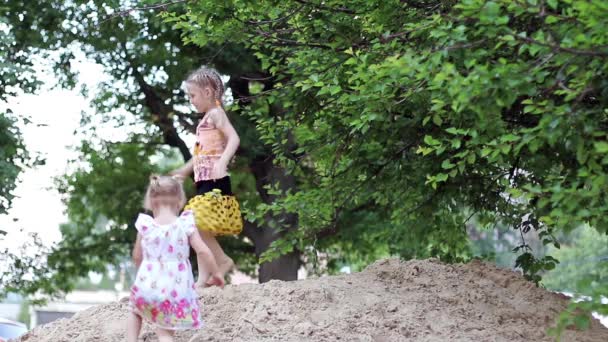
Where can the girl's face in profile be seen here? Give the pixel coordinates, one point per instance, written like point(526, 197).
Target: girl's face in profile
point(199, 97)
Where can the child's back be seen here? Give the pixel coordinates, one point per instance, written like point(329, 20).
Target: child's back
point(163, 290)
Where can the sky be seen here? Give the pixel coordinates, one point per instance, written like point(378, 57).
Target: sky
point(38, 208)
point(55, 115)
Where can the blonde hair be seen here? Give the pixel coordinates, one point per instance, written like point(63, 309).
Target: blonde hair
point(208, 77)
point(165, 191)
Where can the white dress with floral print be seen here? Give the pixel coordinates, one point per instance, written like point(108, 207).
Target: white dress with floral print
point(163, 291)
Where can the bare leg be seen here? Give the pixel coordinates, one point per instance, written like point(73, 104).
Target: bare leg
point(133, 327)
point(224, 262)
point(164, 335)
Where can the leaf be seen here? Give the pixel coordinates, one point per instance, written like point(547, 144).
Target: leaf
point(509, 138)
point(452, 130)
point(552, 4)
point(441, 177)
point(429, 140)
point(437, 120)
point(582, 322)
point(529, 108)
point(516, 193)
point(351, 61)
point(335, 89)
point(446, 164)
point(551, 19)
point(471, 158)
point(490, 11)
point(601, 146)
point(424, 150)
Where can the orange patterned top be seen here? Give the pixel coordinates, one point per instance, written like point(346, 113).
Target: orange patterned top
point(210, 144)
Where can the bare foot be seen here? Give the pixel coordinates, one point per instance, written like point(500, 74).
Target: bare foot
point(215, 280)
point(225, 266)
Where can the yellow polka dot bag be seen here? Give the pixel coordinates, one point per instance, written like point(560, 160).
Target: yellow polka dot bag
point(216, 213)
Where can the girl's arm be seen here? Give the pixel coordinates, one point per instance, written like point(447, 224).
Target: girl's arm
point(137, 251)
point(232, 144)
point(207, 267)
point(184, 171)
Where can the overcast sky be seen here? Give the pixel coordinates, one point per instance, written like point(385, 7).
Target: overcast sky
point(55, 115)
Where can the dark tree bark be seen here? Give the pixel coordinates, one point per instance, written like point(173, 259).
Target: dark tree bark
point(266, 172)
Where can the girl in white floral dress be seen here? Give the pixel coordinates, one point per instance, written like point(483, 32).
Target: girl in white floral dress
point(164, 289)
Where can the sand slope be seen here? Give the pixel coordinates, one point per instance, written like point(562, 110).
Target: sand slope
point(419, 300)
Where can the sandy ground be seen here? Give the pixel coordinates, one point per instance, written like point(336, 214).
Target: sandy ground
point(391, 300)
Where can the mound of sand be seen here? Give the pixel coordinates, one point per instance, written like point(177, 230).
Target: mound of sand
point(419, 300)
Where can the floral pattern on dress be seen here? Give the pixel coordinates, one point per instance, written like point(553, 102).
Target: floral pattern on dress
point(164, 288)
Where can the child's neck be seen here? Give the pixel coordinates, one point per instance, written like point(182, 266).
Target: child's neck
point(210, 108)
point(164, 215)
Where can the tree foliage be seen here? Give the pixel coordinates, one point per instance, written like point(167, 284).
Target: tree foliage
point(429, 112)
point(583, 272)
point(146, 62)
point(583, 263)
point(397, 121)
point(15, 77)
point(14, 156)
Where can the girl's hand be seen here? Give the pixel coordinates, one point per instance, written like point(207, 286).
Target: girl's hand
point(219, 170)
point(216, 279)
point(183, 171)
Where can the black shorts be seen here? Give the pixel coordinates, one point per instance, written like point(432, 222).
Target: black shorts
point(203, 187)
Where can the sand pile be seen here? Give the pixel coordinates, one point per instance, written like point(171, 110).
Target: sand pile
point(419, 300)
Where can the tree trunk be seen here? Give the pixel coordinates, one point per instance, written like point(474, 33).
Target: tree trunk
point(161, 113)
point(284, 267)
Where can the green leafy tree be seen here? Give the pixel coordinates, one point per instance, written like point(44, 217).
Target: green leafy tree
point(583, 263)
point(425, 111)
point(397, 122)
point(14, 156)
point(15, 77)
point(146, 62)
point(583, 272)
point(431, 113)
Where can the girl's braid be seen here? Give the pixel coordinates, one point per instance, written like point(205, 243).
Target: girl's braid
point(208, 77)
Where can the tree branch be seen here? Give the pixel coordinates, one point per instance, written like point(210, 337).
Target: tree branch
point(161, 112)
point(329, 8)
point(163, 6)
point(289, 42)
point(333, 227)
point(459, 46)
point(565, 49)
point(263, 22)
